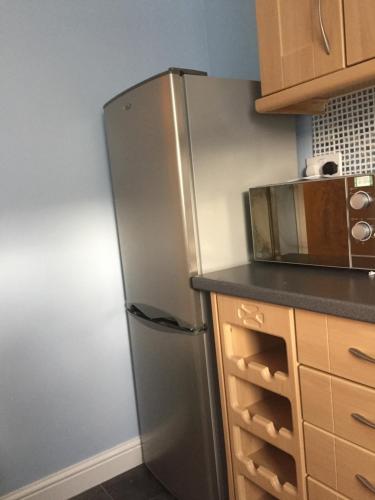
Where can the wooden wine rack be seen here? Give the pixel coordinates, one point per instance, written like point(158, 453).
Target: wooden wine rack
point(258, 375)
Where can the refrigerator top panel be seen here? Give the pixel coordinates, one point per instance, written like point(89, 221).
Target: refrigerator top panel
point(148, 144)
point(173, 71)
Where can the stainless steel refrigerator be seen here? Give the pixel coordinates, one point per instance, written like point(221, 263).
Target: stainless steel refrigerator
point(184, 148)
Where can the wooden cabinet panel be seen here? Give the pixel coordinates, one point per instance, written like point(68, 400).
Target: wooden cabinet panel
point(316, 396)
point(259, 316)
point(318, 491)
point(223, 397)
point(351, 349)
point(320, 455)
point(269, 46)
point(312, 339)
point(359, 30)
point(291, 45)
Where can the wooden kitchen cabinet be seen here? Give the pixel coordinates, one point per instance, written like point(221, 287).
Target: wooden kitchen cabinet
point(298, 41)
point(297, 392)
point(260, 398)
point(359, 30)
point(312, 50)
point(338, 404)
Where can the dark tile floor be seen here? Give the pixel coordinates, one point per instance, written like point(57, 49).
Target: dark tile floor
point(136, 484)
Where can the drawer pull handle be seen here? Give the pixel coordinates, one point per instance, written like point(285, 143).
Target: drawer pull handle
point(365, 482)
point(363, 420)
point(361, 355)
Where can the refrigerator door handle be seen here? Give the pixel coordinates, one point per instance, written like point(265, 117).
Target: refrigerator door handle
point(164, 320)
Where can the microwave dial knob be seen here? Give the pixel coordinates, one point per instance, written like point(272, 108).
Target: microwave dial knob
point(360, 200)
point(362, 231)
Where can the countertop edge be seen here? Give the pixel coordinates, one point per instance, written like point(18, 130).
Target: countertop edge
point(350, 310)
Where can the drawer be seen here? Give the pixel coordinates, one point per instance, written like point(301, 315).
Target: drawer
point(268, 318)
point(352, 349)
point(355, 471)
point(340, 465)
point(339, 406)
point(336, 345)
point(317, 491)
point(354, 412)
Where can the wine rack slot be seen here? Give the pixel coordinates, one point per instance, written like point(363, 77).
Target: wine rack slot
point(267, 466)
point(260, 396)
point(265, 414)
point(247, 489)
point(257, 357)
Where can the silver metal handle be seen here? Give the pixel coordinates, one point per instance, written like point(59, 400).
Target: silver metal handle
point(361, 355)
point(363, 420)
point(322, 30)
point(365, 482)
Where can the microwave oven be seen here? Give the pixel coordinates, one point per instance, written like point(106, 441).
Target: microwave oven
point(322, 222)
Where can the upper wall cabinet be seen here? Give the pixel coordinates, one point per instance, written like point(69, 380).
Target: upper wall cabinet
point(311, 50)
point(360, 30)
point(299, 40)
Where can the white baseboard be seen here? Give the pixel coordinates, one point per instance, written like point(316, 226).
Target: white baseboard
point(80, 477)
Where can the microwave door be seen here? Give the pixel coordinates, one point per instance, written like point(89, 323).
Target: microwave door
point(264, 247)
point(301, 223)
point(326, 222)
point(274, 223)
point(284, 222)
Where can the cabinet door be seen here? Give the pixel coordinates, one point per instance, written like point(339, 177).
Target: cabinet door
point(291, 39)
point(359, 30)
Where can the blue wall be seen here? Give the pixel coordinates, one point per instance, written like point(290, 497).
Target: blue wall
point(232, 38)
point(66, 389)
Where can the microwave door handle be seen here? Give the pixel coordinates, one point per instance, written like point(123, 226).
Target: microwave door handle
point(164, 320)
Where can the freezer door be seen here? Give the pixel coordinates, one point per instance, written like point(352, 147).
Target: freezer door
point(151, 172)
point(232, 148)
point(172, 390)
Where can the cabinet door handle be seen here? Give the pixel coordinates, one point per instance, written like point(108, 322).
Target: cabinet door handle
point(363, 420)
point(322, 30)
point(361, 355)
point(365, 482)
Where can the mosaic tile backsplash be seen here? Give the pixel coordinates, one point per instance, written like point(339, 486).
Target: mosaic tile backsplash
point(348, 127)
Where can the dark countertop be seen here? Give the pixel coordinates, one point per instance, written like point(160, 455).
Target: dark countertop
point(340, 292)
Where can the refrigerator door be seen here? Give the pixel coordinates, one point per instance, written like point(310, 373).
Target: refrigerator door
point(152, 184)
point(174, 409)
point(148, 144)
point(232, 148)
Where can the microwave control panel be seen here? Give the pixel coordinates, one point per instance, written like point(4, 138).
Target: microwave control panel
point(361, 209)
